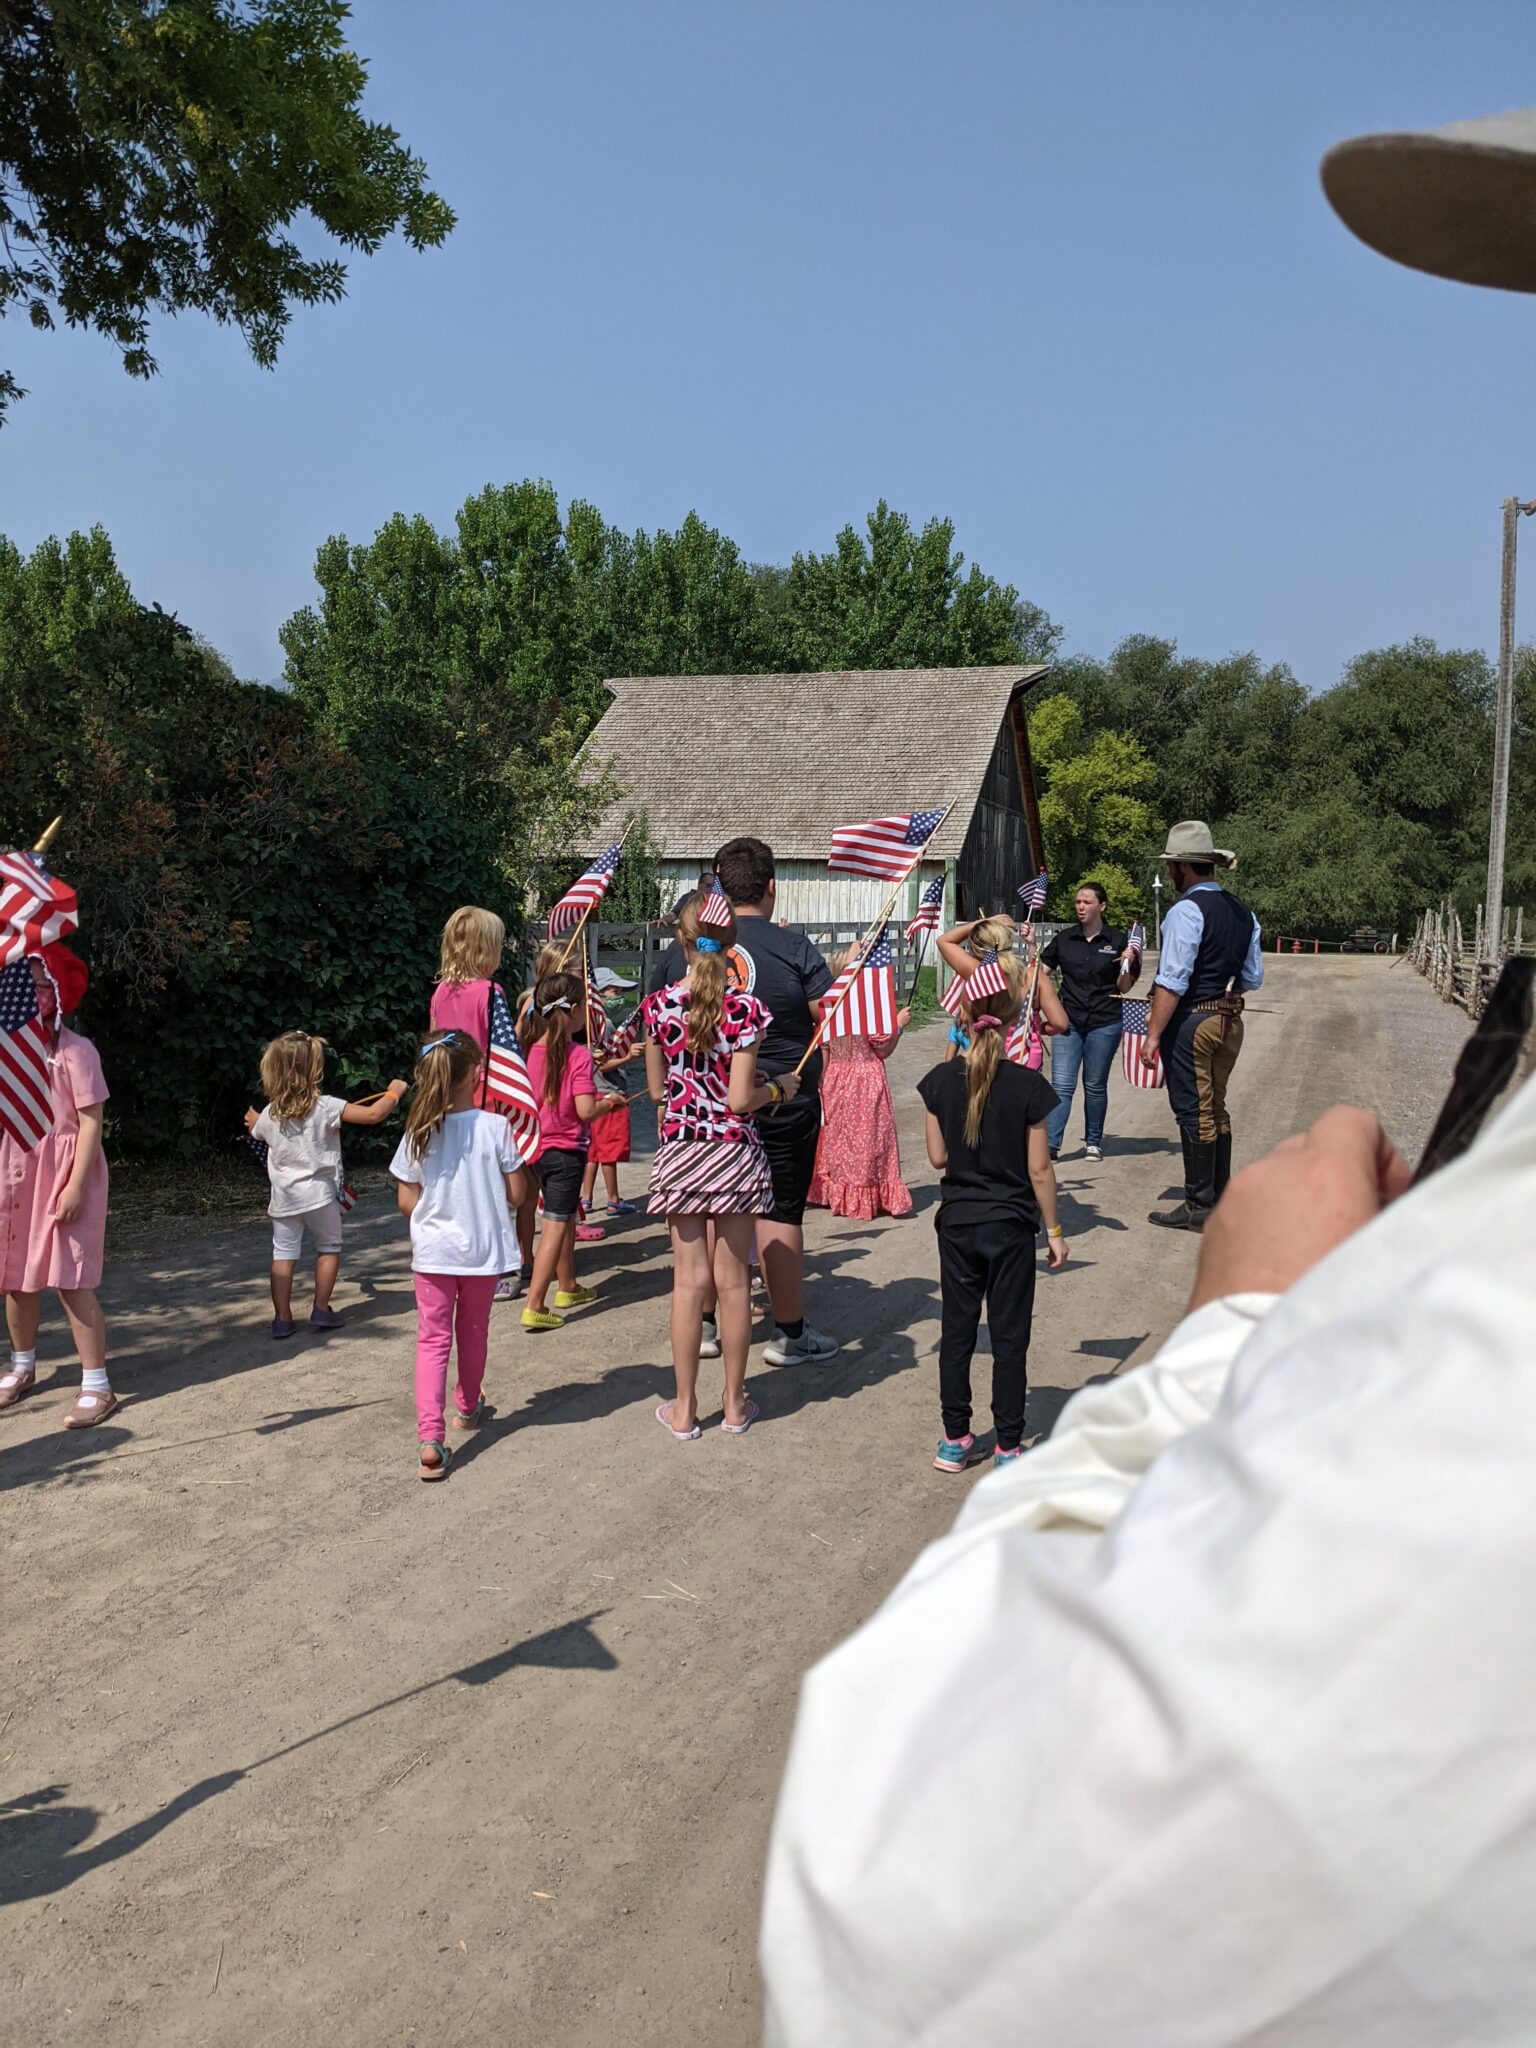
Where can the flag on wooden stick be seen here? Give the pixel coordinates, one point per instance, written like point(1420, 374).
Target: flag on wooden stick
point(1033, 894)
point(869, 1005)
point(26, 1090)
point(586, 892)
point(35, 907)
point(986, 978)
point(930, 909)
point(1134, 1017)
point(507, 1083)
point(716, 910)
point(887, 848)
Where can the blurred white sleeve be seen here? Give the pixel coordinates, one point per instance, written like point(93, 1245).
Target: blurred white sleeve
point(1211, 1722)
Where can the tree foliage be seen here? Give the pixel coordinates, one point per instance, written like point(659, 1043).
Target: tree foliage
point(153, 154)
point(1095, 808)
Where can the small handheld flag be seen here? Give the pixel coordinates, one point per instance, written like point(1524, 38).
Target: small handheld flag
point(35, 908)
point(986, 978)
point(1135, 1016)
point(26, 1090)
point(1032, 894)
point(716, 910)
point(1136, 940)
point(930, 909)
point(864, 995)
point(507, 1083)
point(621, 1040)
point(887, 848)
point(586, 892)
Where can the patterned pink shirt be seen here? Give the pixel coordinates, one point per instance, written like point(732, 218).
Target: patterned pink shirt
point(697, 1083)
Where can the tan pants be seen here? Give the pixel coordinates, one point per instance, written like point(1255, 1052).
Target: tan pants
point(1198, 1058)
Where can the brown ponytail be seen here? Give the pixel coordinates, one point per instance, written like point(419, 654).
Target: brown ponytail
point(989, 1048)
point(707, 981)
point(551, 1019)
point(448, 1058)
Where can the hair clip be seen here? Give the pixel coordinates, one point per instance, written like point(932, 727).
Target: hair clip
point(435, 1045)
point(559, 1003)
point(705, 945)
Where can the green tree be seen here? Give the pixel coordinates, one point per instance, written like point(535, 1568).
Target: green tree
point(1095, 808)
point(153, 154)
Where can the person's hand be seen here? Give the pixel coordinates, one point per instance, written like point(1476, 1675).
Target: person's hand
point(69, 1204)
point(1150, 1048)
point(1291, 1208)
point(789, 1086)
point(903, 1019)
point(1055, 1253)
point(251, 1117)
point(399, 1089)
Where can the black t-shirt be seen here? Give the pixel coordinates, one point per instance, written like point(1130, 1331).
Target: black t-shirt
point(785, 972)
point(992, 1182)
point(1089, 970)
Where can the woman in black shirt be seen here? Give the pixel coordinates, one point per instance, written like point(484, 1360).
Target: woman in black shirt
point(1096, 969)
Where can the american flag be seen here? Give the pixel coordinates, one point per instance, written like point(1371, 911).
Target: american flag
point(586, 892)
point(623, 1038)
point(1136, 939)
point(865, 995)
point(930, 908)
point(507, 1086)
point(26, 1093)
point(35, 909)
point(986, 978)
point(1032, 895)
point(1134, 1015)
point(716, 909)
point(886, 847)
point(346, 1198)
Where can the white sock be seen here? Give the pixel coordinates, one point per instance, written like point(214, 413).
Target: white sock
point(24, 1361)
point(94, 1380)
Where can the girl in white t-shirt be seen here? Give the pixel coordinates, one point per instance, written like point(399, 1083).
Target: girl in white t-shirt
point(301, 1129)
point(457, 1169)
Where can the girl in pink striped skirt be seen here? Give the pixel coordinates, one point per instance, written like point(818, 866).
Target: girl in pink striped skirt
point(710, 1176)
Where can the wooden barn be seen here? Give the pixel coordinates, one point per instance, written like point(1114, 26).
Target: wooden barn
point(789, 758)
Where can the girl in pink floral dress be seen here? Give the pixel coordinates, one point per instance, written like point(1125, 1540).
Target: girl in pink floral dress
point(53, 1204)
point(858, 1161)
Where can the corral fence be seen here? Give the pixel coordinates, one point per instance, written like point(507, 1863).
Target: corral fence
point(1463, 973)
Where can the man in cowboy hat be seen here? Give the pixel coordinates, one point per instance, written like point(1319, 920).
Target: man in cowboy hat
point(1210, 955)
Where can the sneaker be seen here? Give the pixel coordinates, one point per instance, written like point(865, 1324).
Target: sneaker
point(326, 1319)
point(954, 1453)
point(1055, 1151)
point(809, 1348)
point(504, 1291)
point(1093, 1151)
point(709, 1343)
point(573, 1297)
point(1002, 1457)
point(541, 1319)
point(281, 1328)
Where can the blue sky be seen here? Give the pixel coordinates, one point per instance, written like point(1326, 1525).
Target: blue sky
point(1062, 272)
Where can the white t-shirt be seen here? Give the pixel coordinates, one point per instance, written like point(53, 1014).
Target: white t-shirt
point(303, 1157)
point(461, 1224)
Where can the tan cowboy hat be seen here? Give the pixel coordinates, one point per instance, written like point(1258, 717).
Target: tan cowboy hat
point(1191, 840)
point(1459, 202)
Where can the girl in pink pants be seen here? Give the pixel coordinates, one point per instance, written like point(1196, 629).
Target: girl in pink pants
point(457, 1169)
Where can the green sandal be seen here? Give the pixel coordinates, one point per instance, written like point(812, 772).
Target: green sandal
point(445, 1459)
point(477, 1419)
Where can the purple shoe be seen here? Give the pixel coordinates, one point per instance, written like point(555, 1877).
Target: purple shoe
point(282, 1328)
point(326, 1319)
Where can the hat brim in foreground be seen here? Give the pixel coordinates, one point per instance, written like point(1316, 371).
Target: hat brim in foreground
point(1458, 202)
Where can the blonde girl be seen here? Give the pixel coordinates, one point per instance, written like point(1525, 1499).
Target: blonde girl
point(710, 1175)
point(964, 946)
point(565, 1087)
point(473, 944)
point(301, 1129)
point(986, 1135)
point(457, 1168)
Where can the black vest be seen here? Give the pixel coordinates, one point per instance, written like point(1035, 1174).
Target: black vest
point(1223, 945)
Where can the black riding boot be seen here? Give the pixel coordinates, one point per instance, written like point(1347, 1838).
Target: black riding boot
point(1223, 1163)
point(1199, 1188)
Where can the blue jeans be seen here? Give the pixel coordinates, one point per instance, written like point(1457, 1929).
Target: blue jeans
point(1091, 1053)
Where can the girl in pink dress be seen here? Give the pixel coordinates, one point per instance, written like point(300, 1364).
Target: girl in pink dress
point(858, 1161)
point(53, 1204)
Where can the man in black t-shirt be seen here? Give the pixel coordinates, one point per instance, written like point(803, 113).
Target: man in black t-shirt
point(787, 974)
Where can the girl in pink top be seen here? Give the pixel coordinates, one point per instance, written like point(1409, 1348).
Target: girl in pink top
point(565, 1087)
point(53, 1203)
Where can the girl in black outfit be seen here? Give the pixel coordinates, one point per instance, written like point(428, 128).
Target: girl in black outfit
point(986, 1135)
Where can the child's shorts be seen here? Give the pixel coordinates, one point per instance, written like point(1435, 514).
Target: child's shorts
point(560, 1176)
point(323, 1225)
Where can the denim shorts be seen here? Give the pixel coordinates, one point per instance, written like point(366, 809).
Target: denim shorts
point(560, 1174)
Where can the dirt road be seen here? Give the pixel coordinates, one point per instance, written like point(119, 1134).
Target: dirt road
point(294, 1749)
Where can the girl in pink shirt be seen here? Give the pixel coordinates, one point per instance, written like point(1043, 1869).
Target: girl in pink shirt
point(565, 1087)
point(53, 1203)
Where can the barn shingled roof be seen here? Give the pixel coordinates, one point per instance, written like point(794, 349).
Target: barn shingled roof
point(789, 757)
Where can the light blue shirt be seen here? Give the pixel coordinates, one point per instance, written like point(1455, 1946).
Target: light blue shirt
point(1183, 929)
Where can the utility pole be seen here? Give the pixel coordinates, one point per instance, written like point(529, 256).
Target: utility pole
point(1503, 721)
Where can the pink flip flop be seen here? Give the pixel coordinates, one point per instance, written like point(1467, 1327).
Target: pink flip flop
point(741, 1428)
point(683, 1436)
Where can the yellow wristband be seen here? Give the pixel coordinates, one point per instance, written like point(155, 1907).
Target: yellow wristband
point(1054, 1231)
